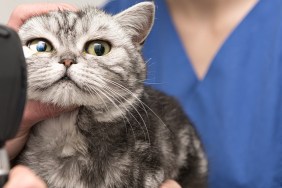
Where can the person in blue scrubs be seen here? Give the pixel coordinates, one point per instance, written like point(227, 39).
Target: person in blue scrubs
point(229, 84)
point(222, 59)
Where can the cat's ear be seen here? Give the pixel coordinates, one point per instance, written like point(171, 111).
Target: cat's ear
point(137, 20)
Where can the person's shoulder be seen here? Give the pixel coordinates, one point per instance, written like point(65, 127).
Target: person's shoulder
point(116, 6)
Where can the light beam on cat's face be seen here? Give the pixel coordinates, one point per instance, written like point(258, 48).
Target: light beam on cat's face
point(27, 52)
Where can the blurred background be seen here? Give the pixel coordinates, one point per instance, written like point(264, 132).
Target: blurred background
point(7, 6)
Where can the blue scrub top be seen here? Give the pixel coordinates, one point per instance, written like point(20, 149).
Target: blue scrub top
point(237, 107)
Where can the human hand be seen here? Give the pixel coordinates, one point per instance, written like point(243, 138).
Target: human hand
point(23, 177)
point(170, 184)
point(26, 11)
point(34, 111)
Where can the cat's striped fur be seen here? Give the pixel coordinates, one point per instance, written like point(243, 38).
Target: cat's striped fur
point(123, 134)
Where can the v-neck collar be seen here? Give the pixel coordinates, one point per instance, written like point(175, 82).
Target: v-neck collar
point(214, 62)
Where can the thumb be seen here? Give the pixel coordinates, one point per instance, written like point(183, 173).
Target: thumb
point(170, 184)
point(23, 177)
point(36, 111)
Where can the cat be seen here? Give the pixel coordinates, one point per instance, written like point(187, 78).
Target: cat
point(123, 134)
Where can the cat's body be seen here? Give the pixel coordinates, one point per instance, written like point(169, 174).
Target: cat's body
point(74, 150)
point(124, 134)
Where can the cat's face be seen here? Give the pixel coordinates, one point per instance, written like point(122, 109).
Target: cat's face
point(86, 57)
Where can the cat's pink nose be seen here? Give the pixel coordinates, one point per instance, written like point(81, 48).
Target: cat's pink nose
point(67, 62)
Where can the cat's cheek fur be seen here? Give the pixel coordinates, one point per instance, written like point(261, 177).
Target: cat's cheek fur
point(65, 96)
point(68, 96)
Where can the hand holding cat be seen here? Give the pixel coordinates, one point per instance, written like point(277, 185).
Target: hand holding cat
point(170, 184)
point(24, 12)
point(34, 112)
point(23, 177)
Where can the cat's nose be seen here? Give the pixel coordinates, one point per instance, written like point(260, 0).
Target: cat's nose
point(67, 62)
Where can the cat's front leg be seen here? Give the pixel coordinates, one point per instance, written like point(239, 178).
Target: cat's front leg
point(195, 174)
point(154, 180)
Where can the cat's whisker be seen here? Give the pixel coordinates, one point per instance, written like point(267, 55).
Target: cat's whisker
point(125, 116)
point(103, 93)
point(132, 94)
point(152, 83)
point(116, 106)
point(125, 119)
point(149, 83)
point(122, 113)
point(142, 103)
point(147, 62)
point(90, 89)
point(126, 90)
point(94, 86)
point(144, 123)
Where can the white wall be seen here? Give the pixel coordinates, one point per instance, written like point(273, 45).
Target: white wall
point(7, 6)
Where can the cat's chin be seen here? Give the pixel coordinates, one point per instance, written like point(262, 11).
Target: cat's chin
point(64, 93)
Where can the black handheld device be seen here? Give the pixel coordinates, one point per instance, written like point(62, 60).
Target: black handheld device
point(12, 92)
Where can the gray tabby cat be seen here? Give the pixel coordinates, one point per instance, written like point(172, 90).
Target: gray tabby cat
point(124, 134)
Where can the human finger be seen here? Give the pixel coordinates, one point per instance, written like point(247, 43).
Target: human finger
point(23, 12)
point(170, 184)
point(36, 111)
point(22, 177)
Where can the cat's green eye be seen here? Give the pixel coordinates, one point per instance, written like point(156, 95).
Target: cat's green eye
point(40, 45)
point(98, 48)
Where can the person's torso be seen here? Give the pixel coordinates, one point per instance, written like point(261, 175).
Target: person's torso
point(237, 107)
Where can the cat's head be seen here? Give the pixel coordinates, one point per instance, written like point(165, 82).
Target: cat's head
point(87, 57)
